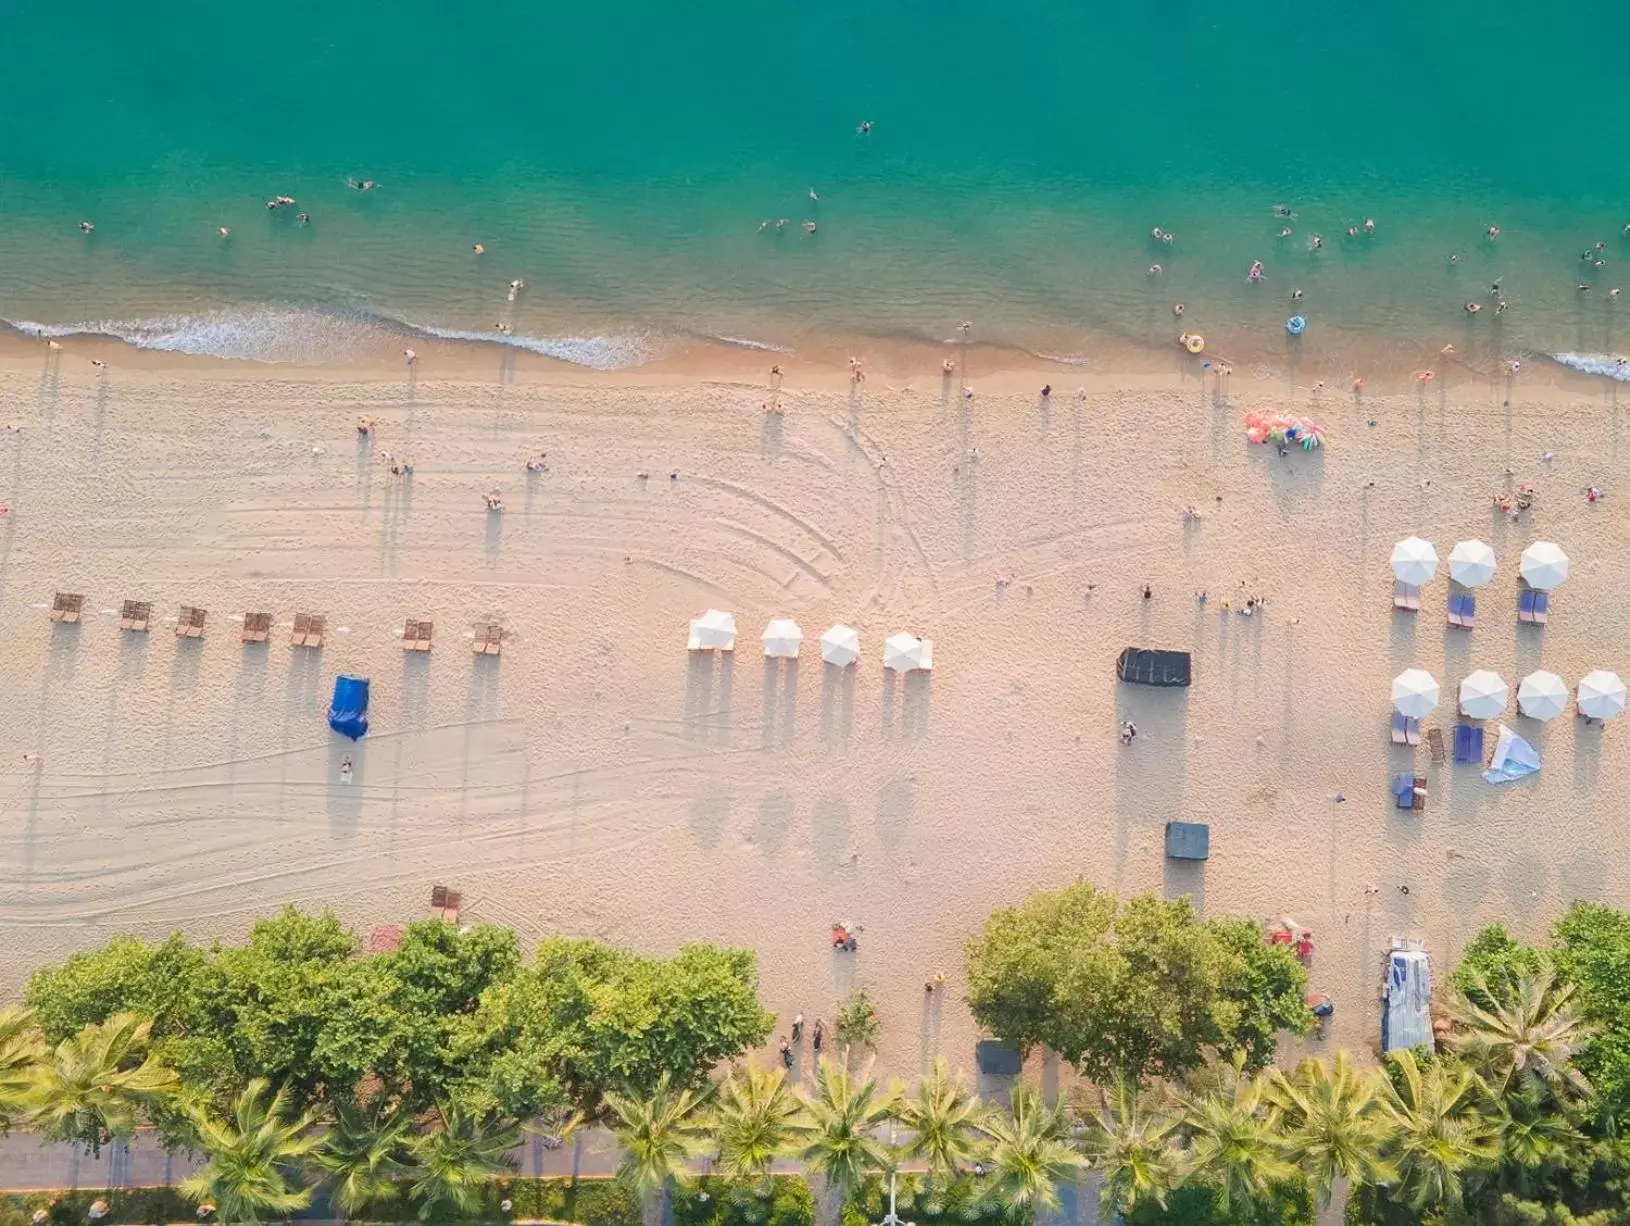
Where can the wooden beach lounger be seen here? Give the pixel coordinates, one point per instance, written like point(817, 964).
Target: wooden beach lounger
point(257, 627)
point(1434, 742)
point(416, 635)
point(135, 615)
point(67, 606)
point(189, 622)
point(446, 901)
point(309, 629)
point(1406, 596)
point(489, 638)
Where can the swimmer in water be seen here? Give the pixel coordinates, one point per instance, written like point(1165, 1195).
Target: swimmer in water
point(813, 196)
point(1454, 257)
point(479, 249)
point(1256, 271)
point(361, 185)
point(502, 327)
point(1369, 225)
point(1295, 295)
point(1154, 270)
point(1501, 307)
point(1177, 308)
point(1613, 294)
point(1282, 210)
point(1285, 233)
point(1582, 288)
point(1473, 307)
point(780, 223)
point(1157, 234)
point(1168, 238)
point(1315, 243)
point(865, 127)
point(1493, 232)
point(223, 231)
point(86, 227)
point(301, 219)
point(1352, 231)
point(515, 287)
point(809, 227)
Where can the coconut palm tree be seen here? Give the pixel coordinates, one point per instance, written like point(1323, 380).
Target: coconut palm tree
point(1529, 1034)
point(454, 1163)
point(254, 1157)
point(1232, 1127)
point(1533, 1133)
point(753, 1122)
point(21, 1049)
point(658, 1132)
point(1439, 1134)
point(362, 1154)
point(941, 1114)
point(1028, 1152)
point(1130, 1146)
point(1330, 1124)
point(92, 1086)
point(839, 1137)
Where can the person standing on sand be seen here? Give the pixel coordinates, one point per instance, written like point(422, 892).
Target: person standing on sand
point(818, 1038)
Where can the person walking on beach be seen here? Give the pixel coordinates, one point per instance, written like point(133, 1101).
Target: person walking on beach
point(1129, 730)
point(818, 1038)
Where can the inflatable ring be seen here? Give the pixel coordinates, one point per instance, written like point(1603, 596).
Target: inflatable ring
point(1296, 325)
point(1193, 342)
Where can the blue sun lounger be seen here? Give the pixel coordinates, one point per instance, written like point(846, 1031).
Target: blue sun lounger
point(1403, 791)
point(1468, 744)
point(1533, 606)
point(1405, 731)
point(1463, 610)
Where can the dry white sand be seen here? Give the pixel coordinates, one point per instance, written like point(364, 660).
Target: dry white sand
point(599, 780)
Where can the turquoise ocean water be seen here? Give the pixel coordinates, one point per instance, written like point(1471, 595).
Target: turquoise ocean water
point(619, 159)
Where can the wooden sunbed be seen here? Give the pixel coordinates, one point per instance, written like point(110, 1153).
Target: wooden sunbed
point(416, 635)
point(309, 629)
point(1406, 596)
point(189, 622)
point(489, 638)
point(67, 607)
point(136, 615)
point(1434, 742)
point(257, 627)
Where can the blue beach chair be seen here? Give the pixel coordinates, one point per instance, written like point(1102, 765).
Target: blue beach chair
point(1468, 743)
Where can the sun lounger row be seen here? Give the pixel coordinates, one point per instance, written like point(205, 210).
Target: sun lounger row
point(1533, 606)
point(310, 629)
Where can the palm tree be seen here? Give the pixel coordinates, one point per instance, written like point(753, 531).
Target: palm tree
point(91, 1087)
point(254, 1158)
point(1529, 1034)
point(1130, 1146)
point(1533, 1133)
point(362, 1154)
point(1029, 1151)
point(1439, 1135)
point(839, 1135)
point(1232, 1128)
point(941, 1114)
point(754, 1122)
point(21, 1049)
point(453, 1164)
point(658, 1133)
point(1331, 1126)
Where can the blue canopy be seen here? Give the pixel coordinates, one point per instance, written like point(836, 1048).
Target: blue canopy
point(348, 712)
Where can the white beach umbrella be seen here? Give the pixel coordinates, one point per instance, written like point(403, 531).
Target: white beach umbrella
point(1544, 565)
point(1483, 695)
point(713, 631)
point(841, 645)
point(1414, 692)
point(1414, 561)
point(1601, 695)
point(1542, 695)
point(906, 652)
point(782, 639)
point(1472, 563)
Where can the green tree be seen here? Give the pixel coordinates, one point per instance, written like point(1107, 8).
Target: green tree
point(1131, 1146)
point(592, 1017)
point(21, 1050)
point(839, 1142)
point(1492, 963)
point(941, 1114)
point(1593, 954)
point(1029, 1151)
point(253, 1158)
point(94, 1085)
point(857, 1024)
point(454, 1162)
point(754, 1121)
point(1528, 1035)
point(658, 1132)
point(363, 1153)
point(1439, 1135)
point(1232, 1128)
point(1134, 991)
point(1331, 1125)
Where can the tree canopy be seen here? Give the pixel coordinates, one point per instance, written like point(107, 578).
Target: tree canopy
point(1134, 990)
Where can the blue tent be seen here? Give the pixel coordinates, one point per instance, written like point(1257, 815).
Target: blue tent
point(348, 712)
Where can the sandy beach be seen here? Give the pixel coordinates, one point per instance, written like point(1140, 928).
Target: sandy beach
point(597, 779)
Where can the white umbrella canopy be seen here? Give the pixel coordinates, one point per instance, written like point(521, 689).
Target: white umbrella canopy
point(1414, 693)
point(905, 653)
point(1544, 565)
point(782, 639)
point(713, 631)
point(1542, 695)
point(1483, 695)
point(1414, 561)
point(1472, 563)
point(1601, 695)
point(841, 645)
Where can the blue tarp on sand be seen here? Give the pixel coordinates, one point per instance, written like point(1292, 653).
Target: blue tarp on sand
point(348, 712)
point(1514, 758)
point(1406, 999)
